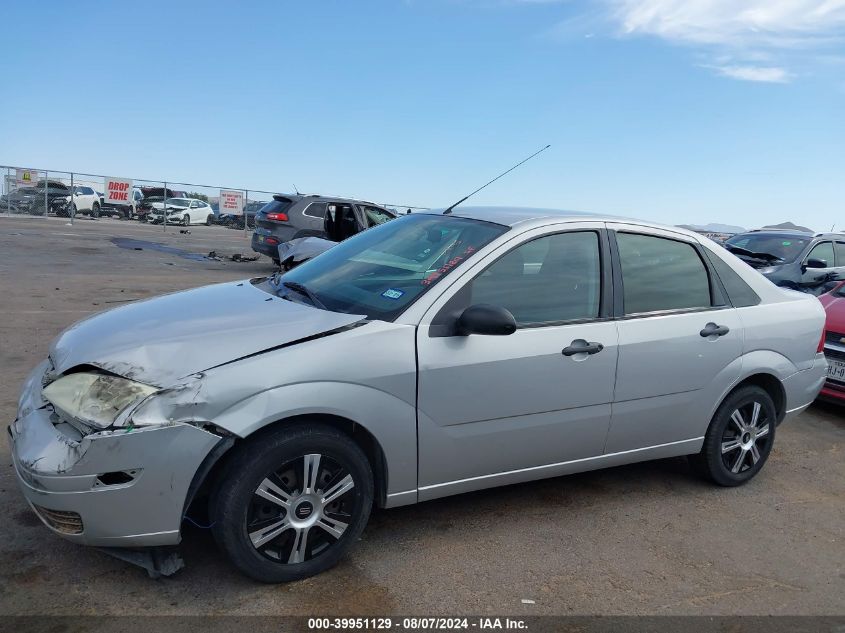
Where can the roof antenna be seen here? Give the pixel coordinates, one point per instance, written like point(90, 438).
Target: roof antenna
point(296, 190)
point(449, 210)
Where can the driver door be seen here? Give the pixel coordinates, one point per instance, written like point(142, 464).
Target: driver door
point(500, 409)
point(194, 211)
point(813, 276)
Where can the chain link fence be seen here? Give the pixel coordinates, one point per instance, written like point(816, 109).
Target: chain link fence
point(74, 195)
point(78, 196)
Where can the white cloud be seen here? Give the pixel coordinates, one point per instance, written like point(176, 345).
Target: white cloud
point(770, 23)
point(768, 74)
point(745, 39)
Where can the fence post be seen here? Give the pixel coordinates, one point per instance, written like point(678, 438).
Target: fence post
point(164, 209)
point(246, 204)
point(46, 186)
point(71, 211)
point(8, 188)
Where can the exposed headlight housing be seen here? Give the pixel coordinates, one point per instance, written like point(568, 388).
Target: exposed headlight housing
point(95, 399)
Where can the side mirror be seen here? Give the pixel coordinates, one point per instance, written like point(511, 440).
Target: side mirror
point(486, 319)
point(816, 263)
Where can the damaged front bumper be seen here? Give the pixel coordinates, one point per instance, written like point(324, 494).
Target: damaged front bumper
point(114, 488)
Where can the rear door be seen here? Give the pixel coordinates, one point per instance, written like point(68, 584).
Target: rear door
point(679, 339)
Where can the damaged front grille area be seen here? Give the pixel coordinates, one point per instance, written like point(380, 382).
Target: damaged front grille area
point(60, 520)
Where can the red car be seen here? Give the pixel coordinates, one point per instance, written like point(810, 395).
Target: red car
point(834, 344)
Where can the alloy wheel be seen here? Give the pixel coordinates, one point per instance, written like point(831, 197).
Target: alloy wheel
point(746, 437)
point(301, 509)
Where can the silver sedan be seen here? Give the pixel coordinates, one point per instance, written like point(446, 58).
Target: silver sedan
point(429, 356)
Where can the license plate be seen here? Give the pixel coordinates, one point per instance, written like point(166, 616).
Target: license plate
point(260, 238)
point(836, 369)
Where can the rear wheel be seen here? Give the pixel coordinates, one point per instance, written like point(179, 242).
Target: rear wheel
point(739, 438)
point(292, 502)
point(209, 220)
point(95, 210)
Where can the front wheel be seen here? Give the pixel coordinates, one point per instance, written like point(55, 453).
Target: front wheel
point(186, 220)
point(291, 502)
point(739, 438)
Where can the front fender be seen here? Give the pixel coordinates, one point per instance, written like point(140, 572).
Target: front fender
point(389, 419)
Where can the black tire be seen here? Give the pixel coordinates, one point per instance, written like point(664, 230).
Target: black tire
point(736, 448)
point(242, 513)
point(95, 210)
point(186, 220)
point(209, 220)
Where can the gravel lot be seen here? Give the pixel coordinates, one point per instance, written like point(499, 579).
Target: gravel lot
point(642, 539)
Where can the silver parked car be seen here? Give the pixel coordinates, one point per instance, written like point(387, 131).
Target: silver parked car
point(432, 355)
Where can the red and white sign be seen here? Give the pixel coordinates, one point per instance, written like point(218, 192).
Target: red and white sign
point(118, 191)
point(231, 202)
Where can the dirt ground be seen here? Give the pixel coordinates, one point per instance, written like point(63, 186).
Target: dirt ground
point(643, 539)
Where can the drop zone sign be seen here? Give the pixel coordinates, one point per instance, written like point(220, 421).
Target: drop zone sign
point(118, 191)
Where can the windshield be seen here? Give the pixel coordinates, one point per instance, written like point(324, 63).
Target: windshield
point(380, 272)
point(177, 202)
point(785, 247)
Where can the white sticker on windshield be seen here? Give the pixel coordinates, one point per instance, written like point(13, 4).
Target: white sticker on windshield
point(392, 293)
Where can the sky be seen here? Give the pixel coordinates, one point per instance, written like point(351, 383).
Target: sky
point(676, 111)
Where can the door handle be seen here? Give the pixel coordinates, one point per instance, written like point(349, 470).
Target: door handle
point(711, 329)
point(580, 346)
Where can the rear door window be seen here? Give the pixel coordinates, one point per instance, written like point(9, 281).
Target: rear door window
point(661, 274)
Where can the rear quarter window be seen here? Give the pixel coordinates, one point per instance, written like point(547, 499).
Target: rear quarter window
point(741, 295)
point(315, 210)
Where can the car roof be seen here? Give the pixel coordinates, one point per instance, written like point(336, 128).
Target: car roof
point(299, 197)
point(776, 233)
point(510, 216)
point(538, 216)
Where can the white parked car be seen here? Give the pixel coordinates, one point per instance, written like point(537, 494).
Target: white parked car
point(184, 211)
point(85, 200)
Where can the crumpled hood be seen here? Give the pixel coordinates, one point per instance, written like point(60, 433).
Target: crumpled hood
point(160, 340)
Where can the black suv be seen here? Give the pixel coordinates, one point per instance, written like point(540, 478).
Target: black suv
point(289, 217)
point(31, 199)
point(792, 259)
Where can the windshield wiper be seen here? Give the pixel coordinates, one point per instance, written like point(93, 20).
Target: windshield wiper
point(303, 290)
point(738, 250)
